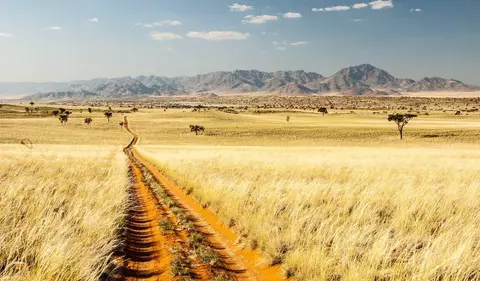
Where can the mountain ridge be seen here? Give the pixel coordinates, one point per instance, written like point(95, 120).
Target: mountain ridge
point(364, 78)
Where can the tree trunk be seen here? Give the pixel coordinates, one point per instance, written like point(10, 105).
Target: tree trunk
point(196, 132)
point(401, 134)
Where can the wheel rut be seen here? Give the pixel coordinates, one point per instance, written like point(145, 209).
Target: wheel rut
point(167, 235)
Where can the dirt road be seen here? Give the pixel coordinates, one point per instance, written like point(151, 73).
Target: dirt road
point(170, 236)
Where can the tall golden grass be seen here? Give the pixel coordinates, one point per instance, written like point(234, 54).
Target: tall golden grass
point(60, 209)
point(343, 212)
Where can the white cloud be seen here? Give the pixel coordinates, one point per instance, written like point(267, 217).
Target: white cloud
point(218, 35)
point(360, 6)
point(164, 36)
point(291, 15)
point(332, 9)
point(300, 43)
point(259, 19)
point(93, 20)
point(415, 10)
point(380, 4)
point(359, 20)
point(2, 34)
point(239, 8)
point(53, 28)
point(337, 8)
point(281, 48)
point(160, 23)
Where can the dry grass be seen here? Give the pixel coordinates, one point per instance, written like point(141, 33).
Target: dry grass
point(61, 207)
point(343, 213)
point(353, 203)
point(305, 129)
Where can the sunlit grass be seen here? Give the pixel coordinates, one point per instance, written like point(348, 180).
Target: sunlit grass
point(343, 213)
point(60, 209)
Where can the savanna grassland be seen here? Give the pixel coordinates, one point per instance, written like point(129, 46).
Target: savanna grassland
point(61, 208)
point(63, 195)
point(328, 197)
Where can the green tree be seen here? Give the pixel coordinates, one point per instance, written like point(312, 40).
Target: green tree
point(197, 129)
point(108, 114)
point(401, 120)
point(63, 118)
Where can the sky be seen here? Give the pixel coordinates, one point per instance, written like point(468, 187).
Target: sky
point(63, 40)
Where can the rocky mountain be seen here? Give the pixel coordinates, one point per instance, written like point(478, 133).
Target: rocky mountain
point(294, 88)
point(435, 83)
point(357, 77)
point(362, 79)
point(123, 87)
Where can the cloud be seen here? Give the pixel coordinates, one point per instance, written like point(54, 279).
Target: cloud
point(337, 8)
point(360, 6)
point(93, 20)
point(218, 35)
point(358, 20)
point(2, 34)
point(259, 19)
point(332, 9)
point(239, 8)
point(291, 15)
point(281, 48)
point(380, 4)
point(164, 36)
point(53, 28)
point(299, 43)
point(160, 23)
point(416, 10)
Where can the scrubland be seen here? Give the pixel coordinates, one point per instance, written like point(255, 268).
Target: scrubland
point(60, 207)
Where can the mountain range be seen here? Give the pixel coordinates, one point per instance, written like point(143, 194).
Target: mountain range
point(362, 79)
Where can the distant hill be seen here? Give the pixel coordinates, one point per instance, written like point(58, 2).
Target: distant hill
point(364, 79)
point(294, 89)
point(68, 95)
point(434, 83)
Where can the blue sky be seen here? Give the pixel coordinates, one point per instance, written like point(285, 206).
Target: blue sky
point(59, 40)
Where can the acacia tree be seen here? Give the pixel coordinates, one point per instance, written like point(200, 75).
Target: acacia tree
point(108, 114)
point(89, 110)
point(134, 109)
point(323, 110)
point(401, 120)
point(88, 120)
point(197, 129)
point(55, 113)
point(63, 118)
point(32, 103)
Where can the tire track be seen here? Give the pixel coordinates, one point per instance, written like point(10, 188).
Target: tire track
point(203, 225)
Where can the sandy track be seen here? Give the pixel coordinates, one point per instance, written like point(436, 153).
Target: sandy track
point(150, 253)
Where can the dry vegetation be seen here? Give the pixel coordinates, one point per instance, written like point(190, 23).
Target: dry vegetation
point(61, 207)
point(343, 213)
point(334, 197)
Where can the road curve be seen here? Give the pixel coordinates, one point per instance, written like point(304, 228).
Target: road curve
point(147, 253)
